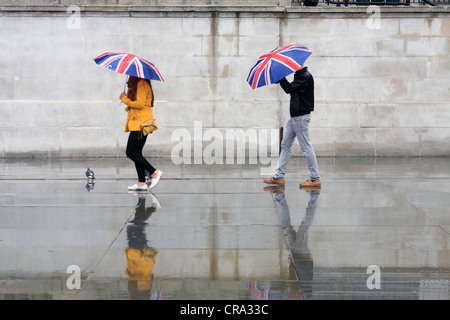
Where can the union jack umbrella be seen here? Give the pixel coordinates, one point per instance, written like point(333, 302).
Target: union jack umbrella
point(129, 64)
point(277, 64)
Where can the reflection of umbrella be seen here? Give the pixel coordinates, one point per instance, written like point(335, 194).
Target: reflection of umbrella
point(277, 64)
point(129, 64)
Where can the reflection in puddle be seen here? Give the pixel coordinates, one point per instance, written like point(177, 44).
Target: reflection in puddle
point(141, 257)
point(297, 242)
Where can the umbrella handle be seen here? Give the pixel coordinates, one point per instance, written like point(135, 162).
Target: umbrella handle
point(125, 85)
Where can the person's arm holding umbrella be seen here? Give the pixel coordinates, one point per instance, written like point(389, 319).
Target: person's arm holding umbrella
point(298, 85)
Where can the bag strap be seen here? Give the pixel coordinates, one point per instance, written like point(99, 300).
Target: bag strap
point(140, 132)
point(140, 125)
point(136, 116)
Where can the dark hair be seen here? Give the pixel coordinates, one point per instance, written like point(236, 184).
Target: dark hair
point(132, 88)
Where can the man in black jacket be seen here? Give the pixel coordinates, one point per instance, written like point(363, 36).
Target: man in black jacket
point(301, 106)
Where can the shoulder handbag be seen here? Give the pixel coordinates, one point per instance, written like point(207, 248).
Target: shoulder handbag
point(146, 128)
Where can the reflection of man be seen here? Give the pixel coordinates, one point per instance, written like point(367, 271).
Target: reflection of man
point(140, 257)
point(298, 241)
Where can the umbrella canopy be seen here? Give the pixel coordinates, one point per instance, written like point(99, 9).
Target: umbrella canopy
point(129, 64)
point(277, 64)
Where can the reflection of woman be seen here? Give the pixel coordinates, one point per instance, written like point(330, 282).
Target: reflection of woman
point(139, 101)
point(140, 257)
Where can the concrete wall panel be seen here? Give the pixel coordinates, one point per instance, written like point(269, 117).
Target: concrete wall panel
point(379, 91)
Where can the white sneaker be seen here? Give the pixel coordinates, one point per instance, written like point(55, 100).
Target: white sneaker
point(138, 188)
point(156, 180)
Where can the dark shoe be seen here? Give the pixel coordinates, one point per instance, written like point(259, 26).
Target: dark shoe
point(272, 180)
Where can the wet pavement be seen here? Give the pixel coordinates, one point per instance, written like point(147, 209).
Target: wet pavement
point(378, 228)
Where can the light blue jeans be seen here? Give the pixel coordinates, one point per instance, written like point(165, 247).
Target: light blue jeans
point(297, 127)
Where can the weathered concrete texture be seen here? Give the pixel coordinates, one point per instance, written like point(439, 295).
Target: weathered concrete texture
point(381, 81)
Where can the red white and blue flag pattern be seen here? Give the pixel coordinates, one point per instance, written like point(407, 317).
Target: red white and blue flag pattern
point(129, 64)
point(277, 64)
point(257, 293)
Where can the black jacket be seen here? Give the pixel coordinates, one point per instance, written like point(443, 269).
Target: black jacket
point(301, 91)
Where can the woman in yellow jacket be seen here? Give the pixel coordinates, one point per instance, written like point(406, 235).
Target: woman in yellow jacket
point(139, 100)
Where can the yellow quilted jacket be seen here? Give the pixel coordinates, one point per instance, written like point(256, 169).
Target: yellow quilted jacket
point(141, 106)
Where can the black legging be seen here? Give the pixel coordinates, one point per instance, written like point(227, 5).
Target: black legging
point(134, 152)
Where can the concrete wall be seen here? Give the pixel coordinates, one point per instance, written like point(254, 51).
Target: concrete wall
point(382, 79)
